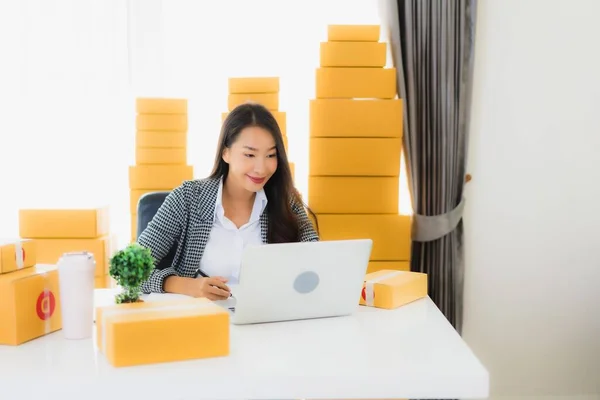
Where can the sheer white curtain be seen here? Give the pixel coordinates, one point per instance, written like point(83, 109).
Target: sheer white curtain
point(71, 70)
point(65, 107)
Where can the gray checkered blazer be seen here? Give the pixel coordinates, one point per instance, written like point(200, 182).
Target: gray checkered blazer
point(186, 217)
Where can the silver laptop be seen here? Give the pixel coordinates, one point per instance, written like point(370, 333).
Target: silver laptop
point(291, 281)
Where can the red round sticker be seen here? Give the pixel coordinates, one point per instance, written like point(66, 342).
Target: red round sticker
point(364, 294)
point(45, 305)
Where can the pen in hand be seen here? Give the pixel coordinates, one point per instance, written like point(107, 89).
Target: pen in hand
point(199, 272)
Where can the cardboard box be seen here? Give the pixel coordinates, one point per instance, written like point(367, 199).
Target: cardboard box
point(353, 195)
point(268, 100)
point(159, 176)
point(356, 83)
point(104, 282)
point(354, 156)
point(159, 139)
point(64, 223)
point(280, 117)
point(353, 54)
point(49, 251)
point(29, 304)
point(161, 106)
point(391, 289)
point(285, 144)
point(254, 85)
point(391, 234)
point(17, 254)
point(375, 266)
point(162, 122)
point(352, 118)
point(153, 156)
point(180, 330)
point(360, 33)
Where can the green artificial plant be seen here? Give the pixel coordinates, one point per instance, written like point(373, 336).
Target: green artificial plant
point(130, 267)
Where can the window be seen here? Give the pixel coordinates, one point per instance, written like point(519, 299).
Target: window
point(75, 68)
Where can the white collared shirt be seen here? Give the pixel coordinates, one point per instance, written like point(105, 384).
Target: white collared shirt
point(223, 252)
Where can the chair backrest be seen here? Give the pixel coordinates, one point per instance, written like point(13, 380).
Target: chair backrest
point(147, 207)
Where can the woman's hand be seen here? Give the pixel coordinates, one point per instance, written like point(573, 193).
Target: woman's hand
point(212, 288)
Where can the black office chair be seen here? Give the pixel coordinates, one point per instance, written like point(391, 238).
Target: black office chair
point(148, 205)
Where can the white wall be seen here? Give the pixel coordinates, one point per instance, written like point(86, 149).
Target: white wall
point(532, 310)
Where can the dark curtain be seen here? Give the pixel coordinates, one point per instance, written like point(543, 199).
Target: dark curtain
point(432, 45)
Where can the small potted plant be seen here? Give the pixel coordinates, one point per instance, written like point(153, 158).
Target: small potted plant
point(130, 267)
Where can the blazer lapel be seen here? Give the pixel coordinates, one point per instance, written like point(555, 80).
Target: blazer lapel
point(264, 226)
point(201, 228)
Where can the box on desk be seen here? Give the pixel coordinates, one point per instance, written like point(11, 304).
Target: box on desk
point(104, 282)
point(397, 265)
point(391, 289)
point(49, 251)
point(64, 223)
point(29, 304)
point(149, 333)
point(17, 254)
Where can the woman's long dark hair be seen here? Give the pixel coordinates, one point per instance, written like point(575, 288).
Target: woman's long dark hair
point(280, 190)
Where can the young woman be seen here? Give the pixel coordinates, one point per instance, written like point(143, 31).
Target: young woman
point(248, 199)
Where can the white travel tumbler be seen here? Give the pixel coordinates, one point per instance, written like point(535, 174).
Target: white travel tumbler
point(76, 282)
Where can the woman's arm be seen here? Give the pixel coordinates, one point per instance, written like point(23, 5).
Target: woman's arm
point(160, 235)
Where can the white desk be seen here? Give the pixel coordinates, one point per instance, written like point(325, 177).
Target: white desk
point(411, 352)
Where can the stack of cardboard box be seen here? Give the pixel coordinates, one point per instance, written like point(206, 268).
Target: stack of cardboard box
point(160, 150)
point(355, 146)
point(262, 90)
point(59, 231)
point(29, 289)
point(29, 294)
point(16, 255)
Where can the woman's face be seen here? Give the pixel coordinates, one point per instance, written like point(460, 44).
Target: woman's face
point(252, 158)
